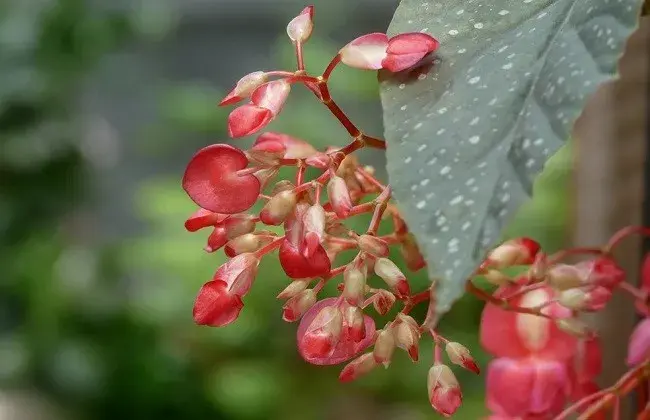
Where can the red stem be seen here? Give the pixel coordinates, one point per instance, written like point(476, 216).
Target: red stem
point(269, 248)
point(331, 66)
point(502, 303)
point(299, 57)
point(624, 233)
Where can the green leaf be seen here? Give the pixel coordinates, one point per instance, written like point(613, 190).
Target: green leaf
point(469, 132)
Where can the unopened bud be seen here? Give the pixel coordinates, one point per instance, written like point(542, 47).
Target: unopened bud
point(391, 274)
point(217, 239)
point(407, 337)
point(575, 299)
point(383, 301)
point(497, 278)
point(282, 185)
point(278, 208)
point(354, 286)
point(293, 289)
point(314, 228)
point(298, 305)
point(513, 252)
point(300, 27)
point(358, 367)
point(564, 277)
point(265, 176)
point(238, 225)
point(355, 324)
point(444, 390)
point(244, 243)
point(245, 87)
point(411, 254)
point(384, 347)
point(459, 355)
point(373, 245)
point(339, 197)
point(573, 326)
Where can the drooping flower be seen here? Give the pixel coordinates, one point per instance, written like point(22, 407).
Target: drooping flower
point(445, 395)
point(266, 103)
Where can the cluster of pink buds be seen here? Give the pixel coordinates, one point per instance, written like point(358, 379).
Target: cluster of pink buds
point(226, 183)
point(547, 358)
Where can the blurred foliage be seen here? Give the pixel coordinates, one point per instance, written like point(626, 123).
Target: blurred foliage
point(107, 333)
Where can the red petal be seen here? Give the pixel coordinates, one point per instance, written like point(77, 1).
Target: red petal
point(297, 266)
point(346, 348)
point(294, 148)
point(203, 218)
point(272, 95)
point(214, 306)
point(639, 346)
point(509, 334)
point(398, 62)
point(238, 273)
point(211, 180)
point(412, 42)
point(365, 52)
point(247, 119)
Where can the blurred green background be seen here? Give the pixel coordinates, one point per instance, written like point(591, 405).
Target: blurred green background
point(102, 103)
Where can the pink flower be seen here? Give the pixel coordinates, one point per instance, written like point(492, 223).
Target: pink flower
point(516, 335)
point(219, 301)
point(266, 103)
point(445, 395)
point(376, 51)
point(324, 334)
point(212, 182)
point(525, 387)
point(245, 86)
point(639, 346)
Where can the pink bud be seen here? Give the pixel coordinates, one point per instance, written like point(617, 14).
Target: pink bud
point(406, 50)
point(639, 346)
point(216, 240)
point(322, 336)
point(497, 278)
point(589, 301)
point(278, 208)
point(284, 145)
point(203, 218)
point(215, 305)
point(384, 347)
point(354, 285)
point(354, 323)
point(393, 276)
point(358, 367)
point(459, 355)
point(366, 52)
point(513, 252)
point(339, 197)
point(238, 273)
point(212, 182)
point(266, 175)
point(564, 277)
point(295, 287)
point(407, 336)
point(266, 103)
point(602, 271)
point(245, 86)
point(240, 224)
point(314, 225)
point(383, 301)
point(298, 305)
point(574, 327)
point(445, 395)
point(411, 254)
point(373, 245)
point(300, 27)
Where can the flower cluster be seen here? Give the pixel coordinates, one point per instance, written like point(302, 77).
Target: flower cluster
point(227, 183)
point(546, 356)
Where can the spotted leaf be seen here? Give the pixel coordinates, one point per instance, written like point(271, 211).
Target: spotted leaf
point(470, 129)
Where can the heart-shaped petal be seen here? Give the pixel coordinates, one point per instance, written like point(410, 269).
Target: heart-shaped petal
point(297, 265)
point(247, 119)
point(212, 182)
point(215, 306)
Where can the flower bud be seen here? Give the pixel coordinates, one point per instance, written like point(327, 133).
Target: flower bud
point(574, 299)
point(300, 27)
point(391, 274)
point(293, 289)
point(238, 225)
point(373, 245)
point(411, 254)
point(513, 252)
point(339, 196)
point(354, 286)
point(203, 218)
point(358, 367)
point(244, 243)
point(384, 347)
point(323, 333)
point(314, 227)
point(383, 301)
point(298, 305)
point(245, 87)
point(459, 355)
point(266, 175)
point(574, 327)
point(217, 239)
point(497, 278)
point(355, 323)
point(407, 337)
point(278, 208)
point(282, 185)
point(444, 391)
point(564, 277)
